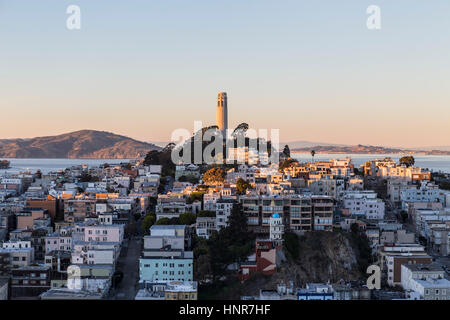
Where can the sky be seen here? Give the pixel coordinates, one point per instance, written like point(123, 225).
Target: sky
point(311, 69)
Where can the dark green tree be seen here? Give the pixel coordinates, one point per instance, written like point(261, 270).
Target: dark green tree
point(147, 222)
point(313, 153)
point(407, 161)
point(287, 151)
point(242, 186)
point(187, 218)
point(191, 179)
point(206, 213)
point(163, 221)
point(291, 244)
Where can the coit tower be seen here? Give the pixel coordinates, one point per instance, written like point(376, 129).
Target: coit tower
point(222, 112)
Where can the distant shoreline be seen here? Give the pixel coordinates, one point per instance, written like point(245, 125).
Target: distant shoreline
point(444, 153)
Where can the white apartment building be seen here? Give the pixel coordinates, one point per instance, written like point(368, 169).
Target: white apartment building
point(438, 289)
point(59, 241)
point(394, 186)
point(412, 272)
point(422, 216)
point(427, 192)
point(223, 211)
point(209, 201)
point(16, 244)
point(408, 173)
point(243, 172)
point(205, 226)
point(104, 233)
point(276, 228)
point(95, 252)
point(365, 204)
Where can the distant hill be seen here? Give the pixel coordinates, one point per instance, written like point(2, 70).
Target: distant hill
point(361, 149)
point(79, 144)
point(306, 144)
point(442, 148)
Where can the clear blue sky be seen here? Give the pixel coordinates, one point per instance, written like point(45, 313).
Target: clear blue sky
point(310, 68)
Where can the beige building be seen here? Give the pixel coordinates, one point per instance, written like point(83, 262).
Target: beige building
point(181, 290)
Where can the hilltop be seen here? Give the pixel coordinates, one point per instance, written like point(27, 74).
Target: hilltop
point(79, 144)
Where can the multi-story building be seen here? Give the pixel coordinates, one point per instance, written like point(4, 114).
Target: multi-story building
point(50, 204)
point(438, 237)
point(412, 272)
point(223, 212)
point(243, 172)
point(209, 201)
point(77, 209)
point(104, 233)
point(25, 218)
point(365, 204)
point(85, 252)
point(182, 231)
point(28, 281)
point(325, 184)
point(204, 226)
point(394, 186)
point(171, 268)
point(392, 257)
point(426, 192)
point(18, 257)
point(170, 207)
point(434, 289)
point(59, 241)
point(298, 212)
point(276, 229)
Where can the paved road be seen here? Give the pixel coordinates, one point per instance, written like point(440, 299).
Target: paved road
point(128, 263)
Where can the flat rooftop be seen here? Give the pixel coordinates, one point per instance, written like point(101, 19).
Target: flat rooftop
point(423, 267)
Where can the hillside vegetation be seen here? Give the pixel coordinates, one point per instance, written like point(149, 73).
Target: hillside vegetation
point(79, 144)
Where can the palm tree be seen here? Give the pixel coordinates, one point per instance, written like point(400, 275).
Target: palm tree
point(313, 153)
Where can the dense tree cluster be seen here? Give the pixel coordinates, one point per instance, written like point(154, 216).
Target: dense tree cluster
point(287, 163)
point(213, 176)
point(191, 179)
point(229, 245)
point(407, 161)
point(242, 186)
point(163, 158)
point(362, 244)
point(291, 245)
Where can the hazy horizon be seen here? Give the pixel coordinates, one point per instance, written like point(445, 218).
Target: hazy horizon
point(312, 70)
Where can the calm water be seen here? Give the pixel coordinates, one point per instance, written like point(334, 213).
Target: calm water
point(434, 163)
point(47, 165)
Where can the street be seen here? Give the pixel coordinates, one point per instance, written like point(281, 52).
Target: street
point(128, 263)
